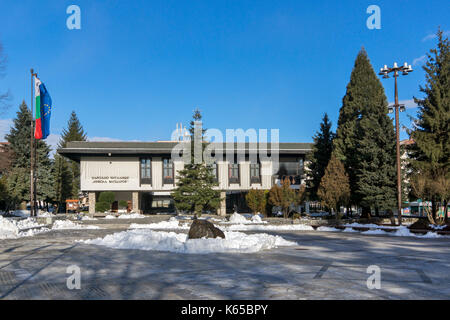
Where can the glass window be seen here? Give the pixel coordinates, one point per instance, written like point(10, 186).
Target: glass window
point(146, 170)
point(255, 173)
point(167, 170)
point(233, 173)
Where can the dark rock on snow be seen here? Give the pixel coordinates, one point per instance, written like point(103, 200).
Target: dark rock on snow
point(204, 229)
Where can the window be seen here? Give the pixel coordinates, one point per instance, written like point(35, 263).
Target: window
point(167, 171)
point(255, 173)
point(146, 171)
point(233, 173)
point(291, 168)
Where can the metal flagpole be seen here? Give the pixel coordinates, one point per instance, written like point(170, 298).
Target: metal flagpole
point(32, 211)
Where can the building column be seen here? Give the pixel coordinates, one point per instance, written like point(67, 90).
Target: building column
point(135, 202)
point(222, 211)
point(91, 202)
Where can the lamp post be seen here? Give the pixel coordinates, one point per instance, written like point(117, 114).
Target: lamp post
point(405, 70)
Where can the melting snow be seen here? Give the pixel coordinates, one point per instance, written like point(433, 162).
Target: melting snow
point(67, 224)
point(11, 229)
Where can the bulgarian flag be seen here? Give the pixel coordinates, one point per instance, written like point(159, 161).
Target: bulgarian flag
point(43, 110)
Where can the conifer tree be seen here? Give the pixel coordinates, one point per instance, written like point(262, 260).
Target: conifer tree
point(430, 154)
point(334, 189)
point(284, 196)
point(194, 190)
point(19, 175)
point(74, 132)
point(319, 156)
point(256, 200)
point(364, 135)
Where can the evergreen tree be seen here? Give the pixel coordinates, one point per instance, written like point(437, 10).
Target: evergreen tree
point(256, 200)
point(334, 189)
point(19, 175)
point(284, 196)
point(365, 133)
point(430, 153)
point(74, 132)
point(319, 156)
point(62, 179)
point(194, 192)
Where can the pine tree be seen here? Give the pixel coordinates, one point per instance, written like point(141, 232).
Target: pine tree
point(334, 189)
point(194, 191)
point(365, 134)
point(430, 154)
point(62, 179)
point(19, 175)
point(256, 200)
point(74, 132)
point(319, 156)
point(284, 196)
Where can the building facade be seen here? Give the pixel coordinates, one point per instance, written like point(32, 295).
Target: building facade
point(145, 173)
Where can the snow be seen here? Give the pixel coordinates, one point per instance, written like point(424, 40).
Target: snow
point(87, 218)
point(329, 229)
point(234, 242)
point(172, 223)
point(281, 227)
point(240, 219)
point(12, 229)
point(131, 216)
point(126, 216)
point(67, 224)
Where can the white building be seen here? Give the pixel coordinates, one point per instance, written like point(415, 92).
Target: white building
point(144, 173)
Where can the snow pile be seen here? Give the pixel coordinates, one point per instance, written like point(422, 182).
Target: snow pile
point(131, 216)
point(325, 228)
point(172, 224)
point(87, 218)
point(177, 242)
point(44, 214)
point(67, 224)
point(110, 217)
point(11, 229)
point(255, 227)
point(240, 219)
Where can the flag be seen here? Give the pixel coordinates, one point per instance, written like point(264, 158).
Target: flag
point(43, 110)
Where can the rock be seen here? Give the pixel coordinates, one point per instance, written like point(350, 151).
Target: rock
point(204, 229)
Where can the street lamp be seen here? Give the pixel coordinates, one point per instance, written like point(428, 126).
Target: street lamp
point(405, 70)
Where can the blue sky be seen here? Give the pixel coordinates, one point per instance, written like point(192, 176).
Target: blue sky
point(136, 68)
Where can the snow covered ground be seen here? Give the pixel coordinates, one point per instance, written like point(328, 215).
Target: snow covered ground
point(126, 216)
point(67, 224)
point(12, 229)
point(172, 223)
point(145, 239)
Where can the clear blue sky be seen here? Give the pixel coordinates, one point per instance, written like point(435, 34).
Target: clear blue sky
point(136, 68)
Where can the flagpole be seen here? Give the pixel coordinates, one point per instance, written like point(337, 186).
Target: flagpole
point(32, 185)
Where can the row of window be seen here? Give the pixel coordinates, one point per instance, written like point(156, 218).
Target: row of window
point(168, 172)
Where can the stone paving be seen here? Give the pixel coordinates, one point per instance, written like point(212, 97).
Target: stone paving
point(325, 265)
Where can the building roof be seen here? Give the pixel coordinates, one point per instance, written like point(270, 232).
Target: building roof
point(74, 150)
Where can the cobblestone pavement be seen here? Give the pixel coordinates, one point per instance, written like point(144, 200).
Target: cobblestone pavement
point(325, 265)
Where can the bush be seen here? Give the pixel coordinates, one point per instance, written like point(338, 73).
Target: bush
point(107, 197)
point(102, 206)
point(256, 200)
point(123, 204)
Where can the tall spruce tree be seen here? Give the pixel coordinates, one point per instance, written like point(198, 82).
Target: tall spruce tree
point(74, 132)
point(430, 154)
point(319, 156)
point(194, 191)
point(19, 175)
point(365, 137)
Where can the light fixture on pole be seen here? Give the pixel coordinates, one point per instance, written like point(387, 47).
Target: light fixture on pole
point(405, 70)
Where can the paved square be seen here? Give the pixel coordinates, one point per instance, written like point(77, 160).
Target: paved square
point(325, 265)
